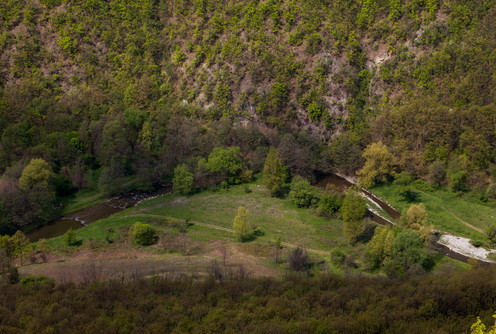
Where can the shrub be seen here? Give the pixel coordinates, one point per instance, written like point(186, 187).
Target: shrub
point(298, 259)
point(70, 239)
point(476, 243)
point(301, 193)
point(36, 281)
point(144, 234)
point(491, 233)
point(409, 195)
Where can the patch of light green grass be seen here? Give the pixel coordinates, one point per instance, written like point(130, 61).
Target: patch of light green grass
point(446, 210)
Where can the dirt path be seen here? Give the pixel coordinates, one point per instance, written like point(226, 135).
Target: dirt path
point(220, 228)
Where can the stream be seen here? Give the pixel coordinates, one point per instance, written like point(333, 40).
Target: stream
point(91, 214)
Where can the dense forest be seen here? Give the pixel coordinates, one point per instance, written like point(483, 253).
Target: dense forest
point(327, 304)
point(116, 94)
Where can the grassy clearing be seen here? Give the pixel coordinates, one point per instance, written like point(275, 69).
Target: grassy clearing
point(275, 217)
point(446, 210)
point(212, 213)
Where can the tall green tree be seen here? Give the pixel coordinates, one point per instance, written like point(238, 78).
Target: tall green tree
point(415, 216)
point(378, 165)
point(37, 173)
point(354, 207)
point(183, 180)
point(243, 230)
point(353, 211)
point(274, 172)
point(227, 162)
point(380, 247)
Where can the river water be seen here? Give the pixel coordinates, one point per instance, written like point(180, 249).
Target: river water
point(93, 213)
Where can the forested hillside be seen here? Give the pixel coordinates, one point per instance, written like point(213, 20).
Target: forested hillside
point(115, 94)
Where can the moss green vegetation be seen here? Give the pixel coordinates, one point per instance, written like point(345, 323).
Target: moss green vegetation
point(461, 215)
point(325, 304)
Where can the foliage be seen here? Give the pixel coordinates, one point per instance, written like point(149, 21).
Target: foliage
point(353, 230)
point(227, 162)
point(13, 275)
point(442, 302)
point(437, 173)
point(478, 327)
point(243, 230)
point(143, 234)
point(37, 282)
point(354, 207)
point(409, 195)
point(415, 216)
point(274, 172)
point(71, 239)
point(378, 165)
point(183, 180)
point(491, 233)
point(330, 204)
point(37, 173)
point(408, 253)
point(380, 247)
point(403, 178)
point(301, 193)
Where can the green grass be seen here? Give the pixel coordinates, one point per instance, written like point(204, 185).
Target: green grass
point(80, 200)
point(277, 218)
point(83, 198)
point(446, 210)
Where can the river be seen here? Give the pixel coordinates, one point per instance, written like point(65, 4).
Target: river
point(93, 213)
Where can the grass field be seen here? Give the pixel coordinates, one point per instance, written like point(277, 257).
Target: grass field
point(210, 215)
point(464, 216)
point(277, 218)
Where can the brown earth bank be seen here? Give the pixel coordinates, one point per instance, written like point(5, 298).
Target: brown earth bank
point(124, 262)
